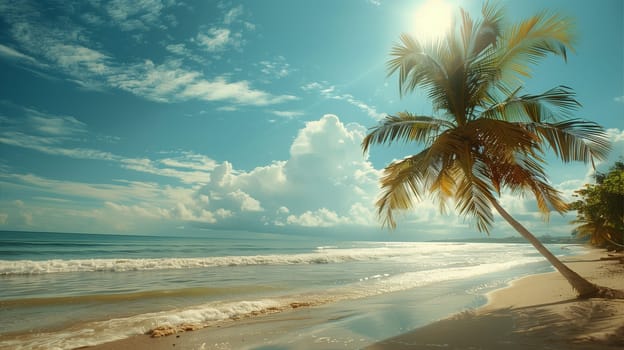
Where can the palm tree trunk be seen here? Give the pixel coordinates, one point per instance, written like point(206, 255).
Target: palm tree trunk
point(583, 287)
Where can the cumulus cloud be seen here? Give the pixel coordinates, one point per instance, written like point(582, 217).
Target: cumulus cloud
point(325, 182)
point(319, 218)
point(246, 202)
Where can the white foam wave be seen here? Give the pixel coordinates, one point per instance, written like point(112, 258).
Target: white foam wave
point(323, 255)
point(94, 333)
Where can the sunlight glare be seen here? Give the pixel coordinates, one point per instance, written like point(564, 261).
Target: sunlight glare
point(433, 18)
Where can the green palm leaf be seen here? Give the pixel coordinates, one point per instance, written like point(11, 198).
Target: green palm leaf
point(406, 127)
point(574, 140)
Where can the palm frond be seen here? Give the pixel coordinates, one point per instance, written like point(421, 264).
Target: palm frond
point(474, 196)
point(402, 182)
point(405, 127)
point(534, 108)
point(533, 39)
point(574, 139)
point(490, 28)
point(427, 66)
point(417, 64)
point(526, 173)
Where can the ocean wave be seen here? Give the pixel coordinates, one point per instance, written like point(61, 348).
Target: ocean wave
point(323, 255)
point(167, 322)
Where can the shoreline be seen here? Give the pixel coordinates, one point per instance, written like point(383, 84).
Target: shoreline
point(537, 311)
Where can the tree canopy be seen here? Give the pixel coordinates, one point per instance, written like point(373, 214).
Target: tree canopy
point(486, 135)
point(600, 209)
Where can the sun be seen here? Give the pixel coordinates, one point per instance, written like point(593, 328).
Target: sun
point(432, 20)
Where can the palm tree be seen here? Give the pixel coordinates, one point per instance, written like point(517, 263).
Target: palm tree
point(485, 136)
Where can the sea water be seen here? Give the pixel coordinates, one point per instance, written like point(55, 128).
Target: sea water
point(61, 290)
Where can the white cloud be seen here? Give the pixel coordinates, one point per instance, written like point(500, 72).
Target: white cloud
point(329, 92)
point(190, 160)
point(319, 218)
point(136, 15)
point(52, 134)
point(170, 82)
point(122, 191)
point(325, 182)
point(227, 109)
point(179, 49)
point(616, 135)
point(247, 203)
point(233, 14)
point(78, 58)
point(287, 114)
point(278, 68)
point(187, 175)
point(161, 83)
point(66, 47)
point(183, 51)
point(240, 92)
point(13, 54)
point(50, 145)
point(56, 125)
point(137, 210)
point(225, 35)
point(49, 134)
point(217, 39)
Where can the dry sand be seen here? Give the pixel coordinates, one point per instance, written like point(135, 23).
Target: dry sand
point(536, 312)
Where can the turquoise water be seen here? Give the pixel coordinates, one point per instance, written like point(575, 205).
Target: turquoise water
point(68, 290)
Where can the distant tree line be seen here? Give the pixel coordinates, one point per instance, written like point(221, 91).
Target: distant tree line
point(600, 209)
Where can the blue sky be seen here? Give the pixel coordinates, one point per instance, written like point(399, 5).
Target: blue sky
point(174, 117)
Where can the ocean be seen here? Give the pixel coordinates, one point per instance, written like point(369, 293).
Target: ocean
point(63, 291)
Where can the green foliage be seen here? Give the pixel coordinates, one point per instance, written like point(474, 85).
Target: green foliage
point(600, 209)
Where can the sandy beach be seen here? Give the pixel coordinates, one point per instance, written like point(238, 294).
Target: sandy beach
point(537, 312)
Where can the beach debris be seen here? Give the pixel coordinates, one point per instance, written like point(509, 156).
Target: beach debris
point(300, 304)
point(163, 331)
